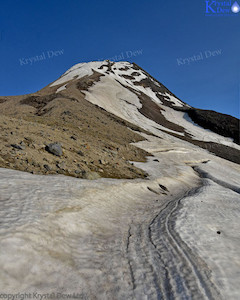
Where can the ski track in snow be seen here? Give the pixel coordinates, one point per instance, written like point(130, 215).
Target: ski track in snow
point(123, 239)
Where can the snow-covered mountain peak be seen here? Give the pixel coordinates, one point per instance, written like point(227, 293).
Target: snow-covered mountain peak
point(128, 74)
point(129, 92)
point(83, 69)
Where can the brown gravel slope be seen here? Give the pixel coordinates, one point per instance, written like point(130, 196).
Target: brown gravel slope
point(95, 143)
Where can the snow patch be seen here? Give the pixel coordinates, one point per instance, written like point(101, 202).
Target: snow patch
point(61, 88)
point(176, 101)
point(197, 132)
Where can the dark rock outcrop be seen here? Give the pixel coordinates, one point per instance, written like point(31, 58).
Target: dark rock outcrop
point(222, 124)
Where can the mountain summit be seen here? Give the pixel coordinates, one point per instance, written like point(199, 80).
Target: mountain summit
point(96, 110)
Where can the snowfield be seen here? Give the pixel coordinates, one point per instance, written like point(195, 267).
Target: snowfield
point(109, 94)
point(119, 239)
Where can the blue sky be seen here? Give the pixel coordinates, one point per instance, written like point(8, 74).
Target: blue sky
point(195, 55)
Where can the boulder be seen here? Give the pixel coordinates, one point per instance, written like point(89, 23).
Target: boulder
point(55, 149)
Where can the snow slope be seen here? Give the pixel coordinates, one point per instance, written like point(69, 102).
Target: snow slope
point(209, 223)
point(118, 92)
point(62, 234)
point(127, 239)
point(102, 239)
point(109, 94)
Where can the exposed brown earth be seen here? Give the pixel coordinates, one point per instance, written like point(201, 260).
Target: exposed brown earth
point(95, 143)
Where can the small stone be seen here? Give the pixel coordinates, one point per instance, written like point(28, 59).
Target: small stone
point(73, 138)
point(54, 148)
point(47, 167)
point(61, 165)
point(84, 172)
point(28, 140)
point(18, 147)
point(163, 187)
point(102, 162)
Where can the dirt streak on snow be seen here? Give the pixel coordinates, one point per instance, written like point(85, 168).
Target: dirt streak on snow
point(60, 233)
point(105, 238)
